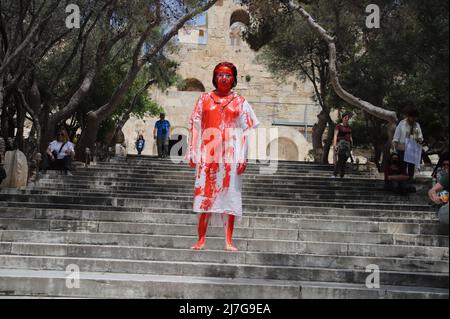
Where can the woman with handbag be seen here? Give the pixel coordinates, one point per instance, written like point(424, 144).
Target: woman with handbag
point(59, 153)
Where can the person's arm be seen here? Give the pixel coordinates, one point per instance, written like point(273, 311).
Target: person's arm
point(70, 151)
point(397, 136)
point(420, 134)
point(336, 132)
point(195, 132)
point(49, 152)
point(433, 193)
point(170, 129)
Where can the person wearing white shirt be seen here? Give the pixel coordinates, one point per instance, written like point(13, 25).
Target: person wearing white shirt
point(408, 128)
point(59, 153)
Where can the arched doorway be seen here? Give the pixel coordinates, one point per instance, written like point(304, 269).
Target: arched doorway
point(192, 85)
point(239, 21)
point(287, 149)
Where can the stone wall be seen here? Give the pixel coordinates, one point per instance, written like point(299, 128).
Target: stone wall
point(273, 100)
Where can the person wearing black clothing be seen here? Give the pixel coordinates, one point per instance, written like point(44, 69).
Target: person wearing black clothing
point(395, 177)
point(342, 144)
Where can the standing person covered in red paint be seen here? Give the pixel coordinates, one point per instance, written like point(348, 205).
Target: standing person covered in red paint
point(218, 150)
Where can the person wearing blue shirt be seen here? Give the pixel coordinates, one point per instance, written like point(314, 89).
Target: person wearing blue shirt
point(161, 134)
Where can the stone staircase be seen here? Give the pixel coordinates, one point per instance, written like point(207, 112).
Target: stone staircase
point(128, 226)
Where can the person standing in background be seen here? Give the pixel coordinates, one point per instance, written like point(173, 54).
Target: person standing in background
point(408, 128)
point(161, 134)
point(342, 145)
point(140, 144)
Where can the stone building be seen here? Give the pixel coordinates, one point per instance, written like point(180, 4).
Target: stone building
point(285, 108)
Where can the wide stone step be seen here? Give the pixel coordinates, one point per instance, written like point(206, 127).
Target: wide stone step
point(272, 195)
point(253, 233)
point(277, 212)
point(111, 285)
point(217, 243)
point(251, 170)
point(247, 258)
point(179, 201)
point(179, 160)
point(189, 184)
point(425, 225)
point(232, 271)
point(255, 178)
point(73, 185)
point(316, 222)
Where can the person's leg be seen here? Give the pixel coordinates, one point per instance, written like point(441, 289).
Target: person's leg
point(166, 147)
point(344, 158)
point(202, 229)
point(45, 163)
point(401, 155)
point(411, 170)
point(337, 166)
point(402, 188)
point(443, 215)
point(59, 164)
point(159, 142)
point(67, 164)
point(228, 225)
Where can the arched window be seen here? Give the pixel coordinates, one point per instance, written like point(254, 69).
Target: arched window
point(192, 85)
point(239, 21)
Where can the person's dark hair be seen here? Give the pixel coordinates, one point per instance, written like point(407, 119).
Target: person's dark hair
point(392, 157)
point(227, 64)
point(412, 111)
point(442, 157)
point(347, 113)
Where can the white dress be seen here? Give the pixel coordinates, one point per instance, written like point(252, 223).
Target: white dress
point(220, 125)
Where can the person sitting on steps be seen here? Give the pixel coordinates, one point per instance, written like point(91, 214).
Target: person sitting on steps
point(60, 153)
point(395, 177)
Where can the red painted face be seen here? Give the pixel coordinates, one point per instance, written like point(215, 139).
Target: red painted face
point(224, 79)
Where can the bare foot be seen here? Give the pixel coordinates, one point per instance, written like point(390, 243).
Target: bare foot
point(199, 246)
point(229, 247)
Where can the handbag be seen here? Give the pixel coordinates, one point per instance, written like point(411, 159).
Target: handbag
point(55, 153)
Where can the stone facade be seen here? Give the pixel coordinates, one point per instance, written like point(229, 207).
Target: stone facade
point(286, 105)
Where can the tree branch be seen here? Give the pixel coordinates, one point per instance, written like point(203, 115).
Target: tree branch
point(376, 111)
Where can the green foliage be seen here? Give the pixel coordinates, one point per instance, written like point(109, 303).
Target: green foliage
point(402, 64)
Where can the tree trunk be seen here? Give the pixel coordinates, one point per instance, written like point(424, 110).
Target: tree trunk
point(4, 122)
point(88, 136)
point(20, 122)
point(387, 147)
point(329, 141)
point(317, 135)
